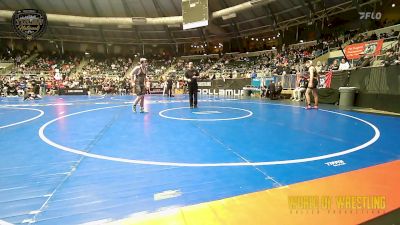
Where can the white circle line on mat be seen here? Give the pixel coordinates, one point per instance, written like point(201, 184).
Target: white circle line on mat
point(24, 121)
point(250, 113)
point(158, 163)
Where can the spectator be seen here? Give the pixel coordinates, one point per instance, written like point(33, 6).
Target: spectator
point(324, 67)
point(397, 61)
point(271, 90)
point(365, 61)
point(300, 89)
point(279, 89)
point(263, 91)
point(254, 74)
point(389, 58)
point(344, 65)
point(335, 65)
point(319, 67)
point(373, 37)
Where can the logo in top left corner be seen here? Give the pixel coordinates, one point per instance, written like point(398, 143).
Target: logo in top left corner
point(29, 24)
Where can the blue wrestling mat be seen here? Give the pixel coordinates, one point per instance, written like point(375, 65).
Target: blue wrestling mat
point(76, 159)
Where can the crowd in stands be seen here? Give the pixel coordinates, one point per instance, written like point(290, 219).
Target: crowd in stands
point(16, 56)
point(54, 65)
point(102, 66)
point(109, 75)
point(40, 86)
point(288, 61)
point(363, 37)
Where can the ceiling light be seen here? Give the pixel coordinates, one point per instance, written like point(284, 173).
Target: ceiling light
point(126, 26)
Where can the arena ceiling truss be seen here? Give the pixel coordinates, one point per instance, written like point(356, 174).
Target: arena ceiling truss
point(160, 21)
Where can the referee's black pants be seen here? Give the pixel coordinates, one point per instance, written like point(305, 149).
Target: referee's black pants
point(169, 91)
point(193, 95)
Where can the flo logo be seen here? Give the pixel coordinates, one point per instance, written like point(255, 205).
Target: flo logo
point(29, 23)
point(370, 15)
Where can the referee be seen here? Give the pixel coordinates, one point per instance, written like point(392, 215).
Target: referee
point(191, 76)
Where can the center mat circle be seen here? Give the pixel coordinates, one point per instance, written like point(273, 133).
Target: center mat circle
point(198, 114)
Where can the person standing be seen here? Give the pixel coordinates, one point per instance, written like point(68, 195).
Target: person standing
point(139, 80)
point(191, 76)
point(271, 90)
point(42, 86)
point(170, 82)
point(312, 86)
point(148, 86)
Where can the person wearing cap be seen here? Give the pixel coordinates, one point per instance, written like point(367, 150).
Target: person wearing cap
point(312, 85)
point(191, 76)
point(139, 82)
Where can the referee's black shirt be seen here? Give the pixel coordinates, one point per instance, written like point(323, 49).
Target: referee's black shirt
point(189, 75)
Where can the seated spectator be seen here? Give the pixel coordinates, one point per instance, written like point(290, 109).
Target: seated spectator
point(335, 65)
point(319, 67)
point(300, 89)
point(389, 58)
point(373, 37)
point(397, 61)
point(254, 74)
point(344, 65)
point(324, 67)
point(12, 89)
point(365, 61)
point(279, 69)
point(395, 33)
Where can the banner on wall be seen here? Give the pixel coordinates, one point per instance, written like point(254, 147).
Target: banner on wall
point(73, 91)
point(355, 51)
point(224, 87)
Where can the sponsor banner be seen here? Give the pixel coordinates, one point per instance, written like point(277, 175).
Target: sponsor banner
point(355, 51)
point(221, 92)
point(156, 90)
point(227, 87)
point(234, 84)
point(77, 91)
point(204, 83)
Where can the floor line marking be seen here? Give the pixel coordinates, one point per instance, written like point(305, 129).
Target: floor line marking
point(250, 113)
point(24, 121)
point(146, 162)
